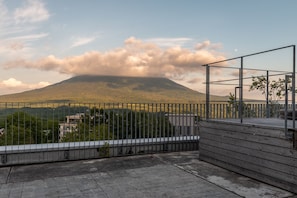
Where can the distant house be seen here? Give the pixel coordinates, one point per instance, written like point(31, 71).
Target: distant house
point(76, 118)
point(70, 125)
point(184, 124)
point(2, 131)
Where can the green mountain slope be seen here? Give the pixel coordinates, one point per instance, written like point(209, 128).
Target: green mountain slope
point(110, 89)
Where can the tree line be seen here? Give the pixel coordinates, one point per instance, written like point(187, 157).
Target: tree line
point(95, 124)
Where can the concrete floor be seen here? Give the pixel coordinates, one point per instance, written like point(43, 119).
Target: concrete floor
point(156, 175)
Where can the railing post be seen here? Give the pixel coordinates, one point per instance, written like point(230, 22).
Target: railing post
point(293, 86)
point(267, 95)
point(240, 90)
point(286, 105)
point(207, 91)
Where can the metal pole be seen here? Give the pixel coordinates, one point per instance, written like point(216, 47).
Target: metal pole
point(235, 102)
point(207, 91)
point(286, 105)
point(241, 91)
point(293, 86)
point(267, 95)
point(262, 52)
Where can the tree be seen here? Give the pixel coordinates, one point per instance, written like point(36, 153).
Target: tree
point(120, 124)
point(276, 88)
point(276, 91)
point(86, 132)
point(23, 128)
point(233, 107)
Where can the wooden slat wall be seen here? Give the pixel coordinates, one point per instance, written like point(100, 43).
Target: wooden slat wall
point(259, 152)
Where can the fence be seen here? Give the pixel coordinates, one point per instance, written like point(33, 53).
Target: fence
point(221, 110)
point(42, 132)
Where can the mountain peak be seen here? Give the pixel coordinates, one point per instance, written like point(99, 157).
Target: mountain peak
point(108, 89)
point(138, 83)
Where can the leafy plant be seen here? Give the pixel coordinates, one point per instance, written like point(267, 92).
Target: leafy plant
point(234, 107)
point(276, 88)
point(104, 150)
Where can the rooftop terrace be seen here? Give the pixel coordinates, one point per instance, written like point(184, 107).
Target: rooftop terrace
point(177, 174)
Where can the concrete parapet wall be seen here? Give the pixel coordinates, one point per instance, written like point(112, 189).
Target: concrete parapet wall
point(259, 152)
point(101, 149)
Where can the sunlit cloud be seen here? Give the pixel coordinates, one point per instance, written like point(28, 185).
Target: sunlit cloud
point(208, 45)
point(13, 85)
point(195, 80)
point(32, 11)
point(135, 58)
point(83, 41)
point(11, 82)
point(235, 73)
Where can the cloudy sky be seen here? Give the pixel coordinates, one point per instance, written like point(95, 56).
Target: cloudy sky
point(43, 42)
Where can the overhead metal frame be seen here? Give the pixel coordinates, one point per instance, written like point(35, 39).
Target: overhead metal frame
point(241, 58)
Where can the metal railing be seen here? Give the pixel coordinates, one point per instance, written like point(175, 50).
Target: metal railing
point(249, 110)
point(68, 130)
point(41, 132)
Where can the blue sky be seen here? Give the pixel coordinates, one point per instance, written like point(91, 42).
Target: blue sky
point(47, 41)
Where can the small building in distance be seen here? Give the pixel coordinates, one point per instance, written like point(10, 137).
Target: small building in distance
point(2, 131)
point(70, 125)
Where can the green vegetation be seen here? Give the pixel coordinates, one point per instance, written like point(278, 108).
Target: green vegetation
point(273, 90)
point(86, 133)
point(104, 150)
point(233, 108)
point(95, 124)
point(119, 124)
point(23, 128)
point(276, 88)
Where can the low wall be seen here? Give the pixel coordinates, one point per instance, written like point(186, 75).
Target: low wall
point(42, 153)
point(259, 152)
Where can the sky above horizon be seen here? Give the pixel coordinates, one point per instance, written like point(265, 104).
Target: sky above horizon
point(43, 42)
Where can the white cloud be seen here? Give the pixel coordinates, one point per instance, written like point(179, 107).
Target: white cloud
point(83, 41)
point(19, 46)
point(135, 58)
point(13, 85)
point(17, 35)
point(30, 37)
point(169, 42)
point(11, 82)
point(32, 11)
point(207, 45)
point(42, 84)
point(3, 12)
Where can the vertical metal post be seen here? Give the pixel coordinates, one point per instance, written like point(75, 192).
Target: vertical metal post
point(241, 91)
point(267, 95)
point(235, 103)
point(207, 91)
point(286, 105)
point(293, 86)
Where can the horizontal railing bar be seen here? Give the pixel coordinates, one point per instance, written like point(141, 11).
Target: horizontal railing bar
point(92, 144)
